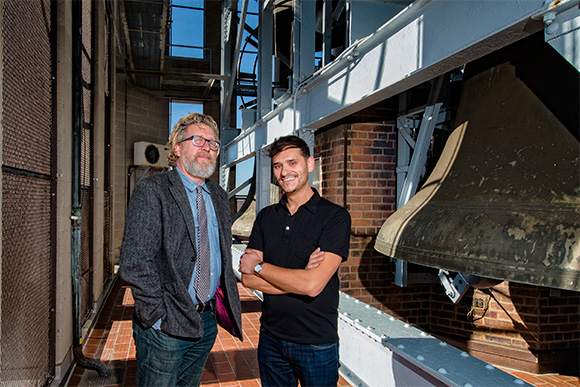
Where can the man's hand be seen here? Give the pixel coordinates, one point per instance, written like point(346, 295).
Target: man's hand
point(316, 256)
point(249, 260)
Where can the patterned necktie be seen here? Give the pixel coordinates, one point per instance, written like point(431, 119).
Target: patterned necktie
point(202, 277)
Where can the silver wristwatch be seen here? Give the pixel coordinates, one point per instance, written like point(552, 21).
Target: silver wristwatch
point(258, 267)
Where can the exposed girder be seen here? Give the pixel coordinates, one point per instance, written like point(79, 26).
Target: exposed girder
point(407, 50)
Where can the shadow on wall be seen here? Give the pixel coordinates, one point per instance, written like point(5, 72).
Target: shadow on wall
point(376, 273)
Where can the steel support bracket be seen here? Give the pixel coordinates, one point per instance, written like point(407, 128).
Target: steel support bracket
point(455, 288)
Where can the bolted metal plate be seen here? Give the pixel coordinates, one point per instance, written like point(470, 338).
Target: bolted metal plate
point(423, 353)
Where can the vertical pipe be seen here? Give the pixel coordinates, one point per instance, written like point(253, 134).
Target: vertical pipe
point(76, 190)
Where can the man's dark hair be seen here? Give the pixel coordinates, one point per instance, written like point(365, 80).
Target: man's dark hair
point(285, 142)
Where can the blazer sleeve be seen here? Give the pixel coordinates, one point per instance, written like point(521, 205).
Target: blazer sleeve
point(140, 246)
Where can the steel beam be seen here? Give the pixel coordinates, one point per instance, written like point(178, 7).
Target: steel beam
point(427, 39)
point(303, 41)
point(266, 32)
point(229, 90)
point(419, 157)
point(263, 179)
point(326, 32)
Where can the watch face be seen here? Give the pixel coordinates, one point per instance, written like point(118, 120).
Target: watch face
point(258, 267)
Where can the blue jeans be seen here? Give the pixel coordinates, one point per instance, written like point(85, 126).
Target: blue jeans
point(164, 360)
point(283, 363)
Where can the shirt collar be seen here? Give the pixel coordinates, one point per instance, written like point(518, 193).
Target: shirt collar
point(311, 205)
point(189, 184)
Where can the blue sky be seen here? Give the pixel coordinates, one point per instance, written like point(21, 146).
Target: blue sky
point(187, 30)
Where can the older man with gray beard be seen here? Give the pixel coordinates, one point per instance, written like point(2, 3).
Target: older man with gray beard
point(176, 255)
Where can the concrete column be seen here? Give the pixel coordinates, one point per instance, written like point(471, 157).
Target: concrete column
point(63, 286)
point(100, 84)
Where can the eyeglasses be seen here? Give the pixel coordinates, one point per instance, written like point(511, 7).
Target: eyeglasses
point(200, 142)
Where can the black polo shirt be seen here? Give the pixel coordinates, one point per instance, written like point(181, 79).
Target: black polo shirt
point(287, 241)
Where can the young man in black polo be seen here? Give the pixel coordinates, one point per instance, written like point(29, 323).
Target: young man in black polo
point(298, 336)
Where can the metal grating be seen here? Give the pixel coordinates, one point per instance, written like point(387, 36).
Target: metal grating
point(107, 255)
point(86, 162)
point(26, 280)
point(108, 267)
point(27, 106)
point(26, 347)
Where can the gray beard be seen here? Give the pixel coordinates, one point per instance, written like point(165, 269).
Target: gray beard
point(195, 169)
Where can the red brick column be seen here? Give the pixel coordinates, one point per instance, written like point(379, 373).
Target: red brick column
point(358, 164)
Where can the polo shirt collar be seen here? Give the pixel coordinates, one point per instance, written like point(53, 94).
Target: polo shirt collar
point(311, 205)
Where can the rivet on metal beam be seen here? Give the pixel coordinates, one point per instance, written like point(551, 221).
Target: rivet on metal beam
point(355, 54)
point(549, 20)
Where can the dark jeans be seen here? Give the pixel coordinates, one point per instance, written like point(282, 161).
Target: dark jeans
point(283, 363)
point(164, 360)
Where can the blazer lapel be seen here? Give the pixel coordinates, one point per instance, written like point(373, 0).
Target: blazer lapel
point(178, 191)
point(219, 212)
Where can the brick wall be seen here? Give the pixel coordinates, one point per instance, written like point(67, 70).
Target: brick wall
point(366, 186)
point(516, 325)
point(142, 118)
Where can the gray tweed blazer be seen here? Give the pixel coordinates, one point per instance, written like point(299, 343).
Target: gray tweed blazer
point(158, 256)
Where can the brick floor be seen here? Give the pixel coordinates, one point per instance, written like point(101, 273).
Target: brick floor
point(231, 362)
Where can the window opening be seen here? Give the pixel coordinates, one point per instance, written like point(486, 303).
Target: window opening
point(187, 29)
point(179, 109)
